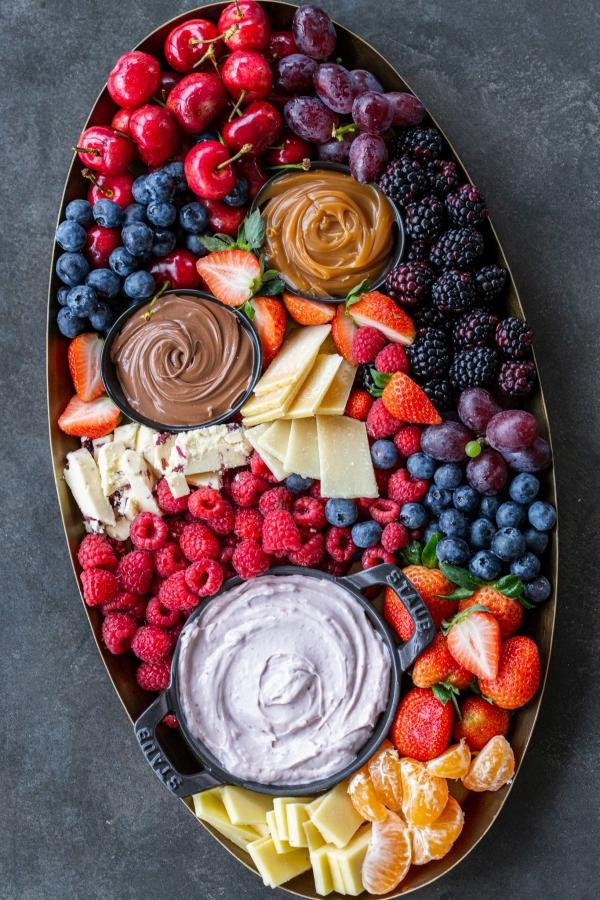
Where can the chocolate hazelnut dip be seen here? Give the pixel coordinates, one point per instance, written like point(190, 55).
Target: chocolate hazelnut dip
point(326, 232)
point(282, 678)
point(183, 361)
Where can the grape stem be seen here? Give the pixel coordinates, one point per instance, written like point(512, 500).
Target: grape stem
point(338, 133)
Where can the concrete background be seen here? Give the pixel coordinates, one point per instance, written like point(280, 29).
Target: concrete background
point(515, 86)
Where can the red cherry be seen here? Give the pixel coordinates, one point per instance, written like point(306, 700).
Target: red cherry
point(187, 43)
point(168, 80)
point(135, 77)
point(111, 187)
point(178, 268)
point(259, 126)
point(208, 170)
point(247, 24)
point(247, 76)
point(224, 219)
point(248, 167)
point(120, 120)
point(103, 150)
point(292, 150)
point(282, 44)
point(99, 244)
point(155, 132)
point(196, 100)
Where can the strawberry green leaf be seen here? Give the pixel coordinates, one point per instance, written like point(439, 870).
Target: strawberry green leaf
point(458, 594)
point(356, 292)
point(411, 555)
point(217, 242)
point(441, 692)
point(474, 686)
point(247, 309)
point(462, 615)
point(509, 585)
point(461, 577)
point(428, 557)
point(254, 230)
point(272, 287)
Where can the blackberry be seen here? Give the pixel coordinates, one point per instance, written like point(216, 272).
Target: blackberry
point(364, 380)
point(453, 292)
point(403, 181)
point(421, 143)
point(516, 379)
point(473, 368)
point(475, 329)
point(457, 247)
point(418, 251)
point(442, 175)
point(431, 316)
point(429, 355)
point(424, 218)
point(466, 206)
point(489, 283)
point(514, 338)
point(441, 392)
point(410, 283)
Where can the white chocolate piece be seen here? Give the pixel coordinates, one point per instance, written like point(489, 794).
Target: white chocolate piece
point(280, 805)
point(346, 465)
point(127, 434)
point(349, 861)
point(281, 846)
point(334, 401)
point(138, 482)
point(277, 868)
point(276, 438)
point(205, 479)
point(109, 465)
point(158, 451)
point(208, 806)
point(297, 815)
point(336, 818)
point(120, 531)
point(83, 478)
point(319, 860)
point(245, 807)
point(302, 455)
point(294, 360)
point(315, 386)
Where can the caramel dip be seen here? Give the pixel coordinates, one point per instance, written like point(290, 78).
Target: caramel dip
point(184, 361)
point(326, 232)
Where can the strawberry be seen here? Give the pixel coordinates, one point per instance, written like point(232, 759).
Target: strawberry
point(231, 275)
point(436, 664)
point(382, 313)
point(342, 332)
point(423, 725)
point(358, 405)
point(89, 419)
point(308, 312)
point(507, 611)
point(479, 722)
point(269, 320)
point(405, 400)
point(396, 615)
point(474, 641)
point(518, 675)
point(84, 365)
point(430, 583)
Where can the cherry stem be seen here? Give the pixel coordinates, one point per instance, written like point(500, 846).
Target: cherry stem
point(159, 102)
point(108, 192)
point(304, 165)
point(338, 133)
point(150, 311)
point(245, 149)
point(91, 151)
point(238, 11)
point(238, 103)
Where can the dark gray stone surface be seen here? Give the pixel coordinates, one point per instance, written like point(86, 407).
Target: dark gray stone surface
point(515, 87)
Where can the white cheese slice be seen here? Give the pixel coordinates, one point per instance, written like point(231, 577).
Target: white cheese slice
point(315, 386)
point(302, 456)
point(294, 360)
point(346, 464)
point(276, 438)
point(334, 401)
point(83, 478)
point(275, 465)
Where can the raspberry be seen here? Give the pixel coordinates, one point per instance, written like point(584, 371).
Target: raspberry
point(168, 560)
point(224, 524)
point(403, 488)
point(358, 405)
point(135, 571)
point(167, 502)
point(408, 440)
point(384, 511)
point(98, 586)
point(174, 593)
point(339, 543)
point(314, 491)
point(276, 498)
point(156, 615)
point(381, 423)
point(394, 537)
point(121, 602)
point(148, 532)
point(228, 546)
point(373, 556)
point(95, 551)
point(280, 532)
point(206, 504)
point(198, 542)
point(364, 504)
point(151, 643)
point(154, 676)
point(170, 721)
point(311, 552)
point(248, 524)
point(246, 489)
point(118, 630)
point(119, 547)
point(309, 513)
point(382, 477)
point(176, 525)
point(334, 567)
point(204, 577)
point(249, 559)
point(392, 359)
point(366, 344)
point(259, 468)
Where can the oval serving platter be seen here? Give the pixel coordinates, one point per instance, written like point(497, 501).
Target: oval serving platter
point(481, 810)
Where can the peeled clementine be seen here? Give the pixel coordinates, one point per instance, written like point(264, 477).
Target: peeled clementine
point(492, 767)
point(388, 855)
point(424, 795)
point(452, 763)
point(435, 840)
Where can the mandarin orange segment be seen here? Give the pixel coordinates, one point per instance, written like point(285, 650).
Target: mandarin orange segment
point(364, 799)
point(452, 763)
point(424, 795)
point(384, 769)
point(388, 856)
point(492, 767)
point(435, 840)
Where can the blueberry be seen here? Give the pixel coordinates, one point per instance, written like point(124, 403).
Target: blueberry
point(137, 238)
point(70, 236)
point(366, 534)
point(481, 533)
point(542, 515)
point(160, 185)
point(296, 483)
point(79, 211)
point(420, 465)
point(193, 217)
point(510, 514)
point(526, 567)
point(524, 488)
point(508, 544)
point(72, 268)
point(485, 565)
point(69, 324)
point(122, 262)
point(341, 512)
point(107, 213)
point(437, 499)
point(238, 195)
point(193, 242)
point(538, 591)
point(81, 300)
point(205, 136)
point(135, 212)
point(102, 317)
point(466, 498)
point(177, 171)
point(536, 541)
point(412, 515)
point(453, 551)
point(104, 281)
point(384, 454)
point(453, 523)
point(164, 242)
point(489, 507)
point(62, 294)
point(449, 475)
point(140, 191)
point(432, 528)
point(139, 285)
point(161, 213)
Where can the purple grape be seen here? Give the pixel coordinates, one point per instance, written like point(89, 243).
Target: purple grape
point(512, 429)
point(313, 32)
point(476, 406)
point(366, 81)
point(446, 442)
point(407, 109)
point(295, 73)
point(309, 118)
point(336, 151)
point(371, 112)
point(487, 473)
point(336, 87)
point(533, 459)
point(368, 157)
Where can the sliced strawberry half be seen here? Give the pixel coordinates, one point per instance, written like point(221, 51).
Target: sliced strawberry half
point(308, 312)
point(474, 641)
point(89, 419)
point(269, 321)
point(381, 312)
point(84, 364)
point(231, 275)
point(342, 332)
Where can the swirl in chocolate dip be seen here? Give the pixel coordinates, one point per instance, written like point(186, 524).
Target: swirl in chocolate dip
point(184, 361)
